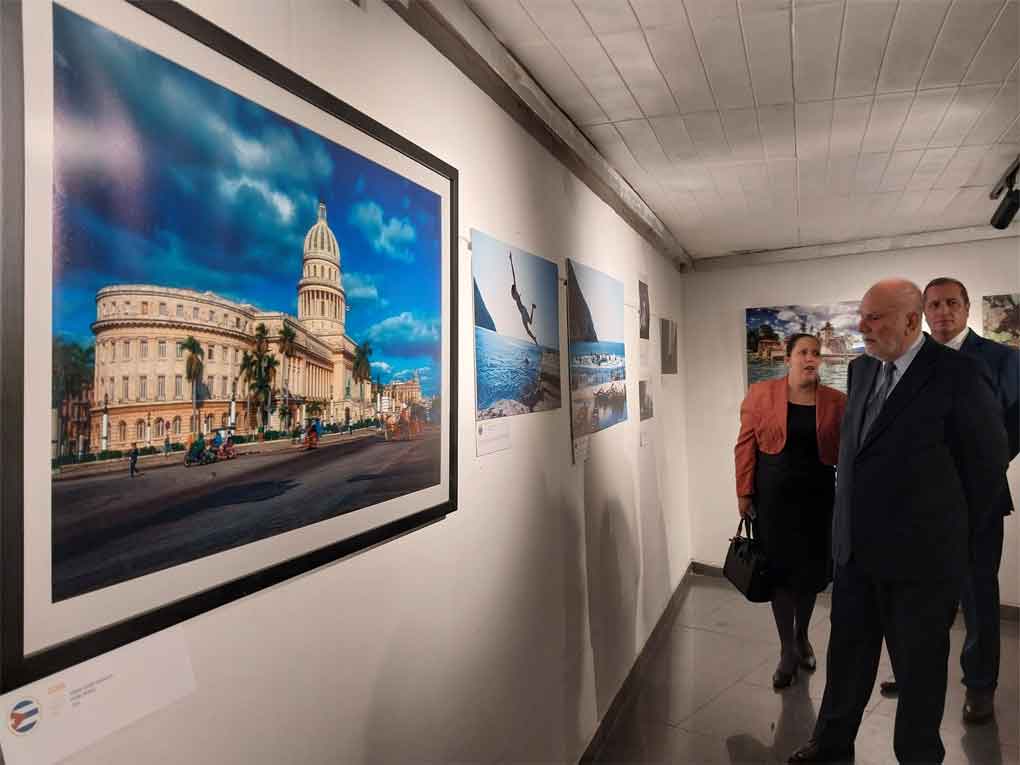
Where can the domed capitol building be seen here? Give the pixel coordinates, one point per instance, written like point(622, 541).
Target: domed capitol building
point(141, 392)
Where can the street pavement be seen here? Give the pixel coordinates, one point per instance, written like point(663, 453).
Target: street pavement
point(111, 528)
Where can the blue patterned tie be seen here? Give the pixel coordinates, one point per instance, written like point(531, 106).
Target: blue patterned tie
point(878, 397)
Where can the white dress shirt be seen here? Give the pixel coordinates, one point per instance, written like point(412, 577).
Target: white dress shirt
point(957, 341)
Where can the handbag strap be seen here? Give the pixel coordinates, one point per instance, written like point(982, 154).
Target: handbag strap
point(746, 522)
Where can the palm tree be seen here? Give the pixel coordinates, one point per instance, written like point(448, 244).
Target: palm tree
point(287, 344)
point(361, 369)
point(246, 370)
point(73, 371)
point(193, 372)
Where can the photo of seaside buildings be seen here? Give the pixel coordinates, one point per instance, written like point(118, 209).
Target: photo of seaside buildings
point(1001, 318)
point(517, 334)
point(835, 325)
point(221, 272)
point(598, 389)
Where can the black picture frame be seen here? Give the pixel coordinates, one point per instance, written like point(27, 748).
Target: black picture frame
point(16, 667)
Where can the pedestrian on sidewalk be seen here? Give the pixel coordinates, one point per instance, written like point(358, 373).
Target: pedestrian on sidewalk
point(166, 447)
point(133, 461)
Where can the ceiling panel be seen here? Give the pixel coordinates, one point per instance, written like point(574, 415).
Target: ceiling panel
point(997, 117)
point(677, 56)
point(933, 163)
point(849, 121)
point(717, 32)
point(970, 103)
point(870, 168)
point(998, 53)
point(706, 130)
point(643, 145)
point(659, 13)
point(551, 70)
point(865, 33)
point(814, 121)
point(673, 137)
point(741, 128)
point(767, 34)
point(887, 116)
point(629, 52)
point(924, 117)
point(748, 124)
point(913, 36)
point(557, 19)
point(591, 63)
point(509, 22)
point(816, 33)
point(964, 30)
point(608, 16)
point(776, 125)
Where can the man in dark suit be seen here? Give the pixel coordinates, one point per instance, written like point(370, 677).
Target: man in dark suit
point(946, 308)
point(922, 457)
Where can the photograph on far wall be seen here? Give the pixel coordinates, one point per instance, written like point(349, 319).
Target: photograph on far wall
point(667, 339)
point(645, 396)
point(834, 324)
point(644, 311)
point(1001, 318)
point(598, 390)
point(517, 336)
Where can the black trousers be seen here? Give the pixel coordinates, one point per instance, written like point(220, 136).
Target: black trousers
point(980, 600)
point(914, 619)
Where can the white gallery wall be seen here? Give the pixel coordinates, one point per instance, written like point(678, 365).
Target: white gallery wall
point(714, 339)
point(504, 631)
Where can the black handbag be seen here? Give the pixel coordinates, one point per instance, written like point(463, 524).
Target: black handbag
point(746, 565)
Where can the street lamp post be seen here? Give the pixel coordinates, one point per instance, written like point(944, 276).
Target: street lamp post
point(148, 428)
point(104, 428)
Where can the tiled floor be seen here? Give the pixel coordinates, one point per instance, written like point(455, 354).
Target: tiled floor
point(707, 696)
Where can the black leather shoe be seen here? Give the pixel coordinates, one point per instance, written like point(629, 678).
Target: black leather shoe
point(979, 707)
point(807, 657)
point(889, 688)
point(782, 679)
point(813, 752)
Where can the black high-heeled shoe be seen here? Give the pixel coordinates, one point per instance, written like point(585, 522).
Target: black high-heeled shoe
point(781, 679)
point(807, 657)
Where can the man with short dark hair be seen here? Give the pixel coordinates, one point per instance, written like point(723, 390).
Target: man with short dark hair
point(922, 455)
point(946, 308)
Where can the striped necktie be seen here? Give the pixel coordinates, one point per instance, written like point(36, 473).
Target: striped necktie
point(878, 396)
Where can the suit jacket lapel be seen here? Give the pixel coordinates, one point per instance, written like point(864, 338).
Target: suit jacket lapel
point(863, 384)
point(906, 389)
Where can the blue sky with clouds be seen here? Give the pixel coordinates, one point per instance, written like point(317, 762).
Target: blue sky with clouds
point(164, 177)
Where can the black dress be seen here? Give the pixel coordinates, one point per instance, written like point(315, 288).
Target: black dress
point(794, 493)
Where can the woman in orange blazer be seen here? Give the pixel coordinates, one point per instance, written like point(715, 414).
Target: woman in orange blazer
point(785, 453)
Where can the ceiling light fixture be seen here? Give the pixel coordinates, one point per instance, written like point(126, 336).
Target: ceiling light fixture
point(1010, 203)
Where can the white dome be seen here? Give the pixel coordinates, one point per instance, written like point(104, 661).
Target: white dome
point(320, 241)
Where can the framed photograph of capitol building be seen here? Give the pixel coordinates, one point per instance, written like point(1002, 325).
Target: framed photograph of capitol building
point(229, 327)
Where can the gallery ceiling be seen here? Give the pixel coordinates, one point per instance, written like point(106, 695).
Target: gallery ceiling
point(752, 125)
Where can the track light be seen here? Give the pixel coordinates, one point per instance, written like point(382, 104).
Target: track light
point(1010, 203)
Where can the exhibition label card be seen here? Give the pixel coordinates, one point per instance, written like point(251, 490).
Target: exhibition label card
point(581, 449)
point(491, 436)
point(59, 715)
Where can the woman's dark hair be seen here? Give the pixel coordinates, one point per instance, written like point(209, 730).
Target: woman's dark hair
point(791, 341)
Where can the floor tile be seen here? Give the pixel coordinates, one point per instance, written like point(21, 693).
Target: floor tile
point(707, 696)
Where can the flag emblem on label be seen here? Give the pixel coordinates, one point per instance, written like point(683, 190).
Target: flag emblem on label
point(24, 716)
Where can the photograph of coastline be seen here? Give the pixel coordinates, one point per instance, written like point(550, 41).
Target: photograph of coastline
point(598, 390)
point(668, 342)
point(645, 396)
point(517, 337)
point(835, 325)
point(644, 311)
point(1001, 318)
point(229, 286)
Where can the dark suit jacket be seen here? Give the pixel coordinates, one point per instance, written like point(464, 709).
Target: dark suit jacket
point(1002, 364)
point(932, 463)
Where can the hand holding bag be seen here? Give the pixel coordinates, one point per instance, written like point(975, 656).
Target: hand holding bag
point(746, 565)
